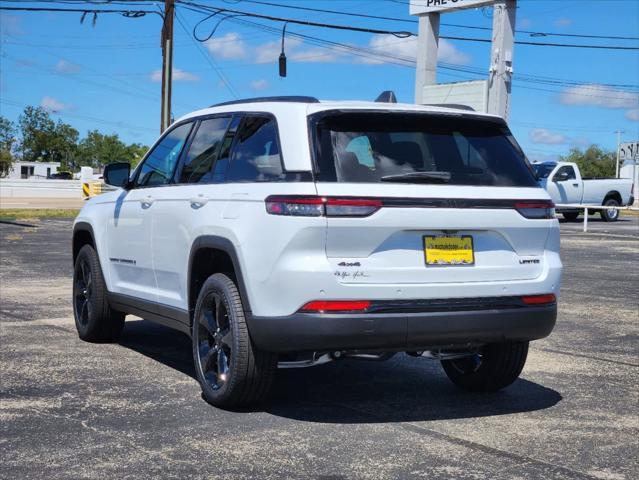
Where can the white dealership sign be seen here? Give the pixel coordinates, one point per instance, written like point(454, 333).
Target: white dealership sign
point(629, 151)
point(421, 7)
point(472, 94)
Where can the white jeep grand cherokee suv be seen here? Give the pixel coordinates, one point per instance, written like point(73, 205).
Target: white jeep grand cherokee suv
point(289, 232)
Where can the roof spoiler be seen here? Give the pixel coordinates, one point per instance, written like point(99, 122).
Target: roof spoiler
point(387, 96)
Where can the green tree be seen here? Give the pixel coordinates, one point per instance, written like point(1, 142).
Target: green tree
point(44, 140)
point(99, 149)
point(593, 162)
point(7, 141)
point(136, 152)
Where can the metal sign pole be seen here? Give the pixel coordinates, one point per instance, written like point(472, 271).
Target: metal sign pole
point(427, 47)
point(501, 62)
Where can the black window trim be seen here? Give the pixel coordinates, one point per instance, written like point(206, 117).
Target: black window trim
point(306, 174)
point(187, 146)
point(136, 172)
point(196, 121)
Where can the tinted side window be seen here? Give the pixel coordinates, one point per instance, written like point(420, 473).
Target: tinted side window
point(256, 154)
point(568, 171)
point(159, 165)
point(203, 151)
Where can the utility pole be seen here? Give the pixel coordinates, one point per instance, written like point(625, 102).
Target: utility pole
point(618, 132)
point(167, 63)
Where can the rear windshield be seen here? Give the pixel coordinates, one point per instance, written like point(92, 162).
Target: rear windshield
point(367, 147)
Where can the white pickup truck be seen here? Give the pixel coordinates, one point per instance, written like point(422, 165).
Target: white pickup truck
point(566, 186)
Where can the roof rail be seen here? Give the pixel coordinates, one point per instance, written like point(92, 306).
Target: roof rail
point(283, 98)
point(456, 106)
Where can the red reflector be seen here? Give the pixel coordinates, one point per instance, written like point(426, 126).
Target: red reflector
point(354, 202)
point(336, 306)
point(535, 204)
point(539, 299)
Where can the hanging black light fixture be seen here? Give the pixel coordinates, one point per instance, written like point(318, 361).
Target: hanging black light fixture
point(283, 55)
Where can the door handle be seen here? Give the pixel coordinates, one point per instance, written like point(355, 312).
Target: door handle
point(198, 201)
point(147, 201)
point(575, 184)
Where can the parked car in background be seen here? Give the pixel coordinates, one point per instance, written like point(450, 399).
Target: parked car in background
point(61, 176)
point(566, 186)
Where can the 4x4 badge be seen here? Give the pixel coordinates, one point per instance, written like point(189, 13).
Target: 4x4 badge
point(349, 264)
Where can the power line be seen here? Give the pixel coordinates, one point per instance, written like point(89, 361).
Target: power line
point(84, 11)
point(534, 33)
point(216, 68)
point(409, 62)
point(405, 20)
point(228, 13)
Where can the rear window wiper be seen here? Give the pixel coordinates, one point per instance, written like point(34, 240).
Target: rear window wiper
point(418, 177)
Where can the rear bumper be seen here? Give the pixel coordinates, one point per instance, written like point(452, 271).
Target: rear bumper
point(400, 331)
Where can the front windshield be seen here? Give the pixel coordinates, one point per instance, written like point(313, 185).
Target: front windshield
point(543, 169)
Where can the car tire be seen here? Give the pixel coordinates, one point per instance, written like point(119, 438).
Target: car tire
point(95, 320)
point(494, 367)
point(571, 216)
point(232, 371)
point(611, 215)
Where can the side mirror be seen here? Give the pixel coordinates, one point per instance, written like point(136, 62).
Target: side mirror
point(117, 174)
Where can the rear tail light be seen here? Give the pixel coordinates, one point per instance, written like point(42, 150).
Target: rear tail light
point(295, 206)
point(539, 299)
point(318, 206)
point(536, 208)
point(336, 306)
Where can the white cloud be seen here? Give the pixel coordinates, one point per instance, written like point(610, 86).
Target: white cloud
point(381, 45)
point(11, 24)
point(406, 48)
point(178, 76)
point(269, 52)
point(64, 66)
point(260, 84)
point(316, 55)
point(562, 22)
point(53, 105)
point(449, 54)
point(546, 137)
point(524, 23)
point(580, 141)
point(229, 46)
point(633, 115)
point(595, 95)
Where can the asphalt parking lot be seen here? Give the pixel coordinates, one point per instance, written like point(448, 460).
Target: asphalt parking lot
point(70, 409)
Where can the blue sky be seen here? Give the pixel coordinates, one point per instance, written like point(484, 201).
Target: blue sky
point(106, 76)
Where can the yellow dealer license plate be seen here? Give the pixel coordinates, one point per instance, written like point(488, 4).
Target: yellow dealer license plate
point(449, 250)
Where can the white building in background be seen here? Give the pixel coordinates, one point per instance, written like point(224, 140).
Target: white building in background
point(631, 170)
point(33, 169)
